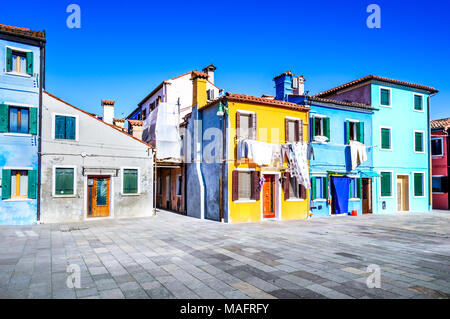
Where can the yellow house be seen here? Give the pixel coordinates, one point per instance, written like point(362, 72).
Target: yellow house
point(249, 179)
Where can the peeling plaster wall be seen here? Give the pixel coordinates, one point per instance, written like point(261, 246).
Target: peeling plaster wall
point(104, 147)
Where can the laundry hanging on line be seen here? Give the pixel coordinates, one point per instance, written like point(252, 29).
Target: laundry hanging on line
point(297, 156)
point(358, 153)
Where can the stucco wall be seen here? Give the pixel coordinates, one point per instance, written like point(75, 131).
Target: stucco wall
point(98, 147)
point(440, 168)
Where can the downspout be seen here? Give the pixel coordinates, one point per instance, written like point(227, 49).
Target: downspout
point(222, 199)
point(41, 89)
point(430, 195)
point(155, 183)
point(198, 159)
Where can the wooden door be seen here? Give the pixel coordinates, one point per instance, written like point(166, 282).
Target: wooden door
point(367, 196)
point(98, 196)
point(269, 196)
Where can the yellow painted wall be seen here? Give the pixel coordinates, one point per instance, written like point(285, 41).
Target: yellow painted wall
point(270, 121)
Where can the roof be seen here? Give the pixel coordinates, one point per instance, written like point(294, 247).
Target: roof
point(258, 100)
point(442, 123)
point(196, 74)
point(284, 73)
point(89, 114)
point(118, 120)
point(136, 122)
point(377, 78)
point(345, 103)
point(7, 29)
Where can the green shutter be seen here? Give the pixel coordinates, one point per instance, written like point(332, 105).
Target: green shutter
point(60, 127)
point(385, 138)
point(326, 127)
point(32, 121)
point(360, 131)
point(350, 188)
point(359, 187)
point(385, 98)
point(30, 62)
point(6, 184)
point(418, 142)
point(418, 184)
point(313, 188)
point(8, 60)
point(418, 102)
point(4, 110)
point(347, 132)
point(64, 178)
point(70, 128)
point(32, 184)
point(130, 181)
point(385, 184)
point(325, 187)
point(313, 128)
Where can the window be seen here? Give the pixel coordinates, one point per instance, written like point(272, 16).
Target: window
point(418, 102)
point(355, 188)
point(440, 184)
point(159, 186)
point(210, 95)
point(354, 131)
point(320, 127)
point(319, 187)
point(246, 125)
point(418, 142)
point(64, 181)
point(130, 181)
point(245, 182)
point(294, 189)
point(19, 61)
point(293, 130)
point(385, 97)
point(144, 114)
point(386, 139)
point(18, 120)
point(386, 184)
point(18, 184)
point(437, 147)
point(65, 127)
point(179, 185)
point(418, 184)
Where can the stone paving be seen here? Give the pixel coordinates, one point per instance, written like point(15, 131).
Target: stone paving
point(173, 256)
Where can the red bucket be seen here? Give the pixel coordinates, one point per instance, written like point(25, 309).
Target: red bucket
point(354, 213)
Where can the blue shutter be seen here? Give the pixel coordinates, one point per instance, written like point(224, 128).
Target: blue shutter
point(30, 62)
point(70, 128)
point(60, 127)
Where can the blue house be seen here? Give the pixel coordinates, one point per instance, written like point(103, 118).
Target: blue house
point(401, 139)
point(337, 186)
point(21, 85)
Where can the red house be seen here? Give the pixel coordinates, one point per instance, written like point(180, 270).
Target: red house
point(440, 147)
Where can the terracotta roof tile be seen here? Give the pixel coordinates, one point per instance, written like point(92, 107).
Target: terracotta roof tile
point(22, 31)
point(118, 120)
point(442, 123)
point(136, 122)
point(196, 74)
point(377, 78)
point(284, 73)
point(108, 102)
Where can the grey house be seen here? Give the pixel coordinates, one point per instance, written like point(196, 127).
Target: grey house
point(91, 169)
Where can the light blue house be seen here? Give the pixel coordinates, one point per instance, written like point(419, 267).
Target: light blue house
point(401, 136)
point(337, 187)
point(21, 85)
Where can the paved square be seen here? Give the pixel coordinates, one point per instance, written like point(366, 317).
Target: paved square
point(173, 256)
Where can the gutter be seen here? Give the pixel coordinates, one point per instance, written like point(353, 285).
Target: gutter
point(41, 89)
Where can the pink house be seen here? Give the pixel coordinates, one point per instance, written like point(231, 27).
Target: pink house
point(441, 162)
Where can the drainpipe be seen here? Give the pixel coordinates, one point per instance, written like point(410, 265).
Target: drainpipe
point(198, 159)
point(222, 199)
point(41, 89)
point(430, 195)
point(155, 182)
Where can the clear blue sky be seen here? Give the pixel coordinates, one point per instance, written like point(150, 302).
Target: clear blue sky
point(125, 48)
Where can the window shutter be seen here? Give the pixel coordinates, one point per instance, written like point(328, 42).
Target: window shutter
point(296, 133)
point(70, 128)
point(325, 187)
point(253, 129)
point(255, 191)
point(238, 125)
point(6, 184)
point(418, 184)
point(130, 181)
point(60, 127)
point(235, 186)
point(300, 130)
point(32, 184)
point(8, 60)
point(418, 142)
point(359, 187)
point(350, 189)
point(4, 109)
point(313, 188)
point(30, 63)
point(286, 130)
point(385, 184)
point(418, 102)
point(32, 122)
point(326, 127)
point(286, 185)
point(347, 132)
point(313, 127)
point(385, 138)
point(360, 129)
point(302, 191)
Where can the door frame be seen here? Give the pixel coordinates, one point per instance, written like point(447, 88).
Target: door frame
point(111, 197)
point(369, 195)
point(408, 189)
point(277, 195)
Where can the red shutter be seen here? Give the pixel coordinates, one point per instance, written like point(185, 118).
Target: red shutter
point(253, 122)
point(235, 186)
point(255, 192)
point(286, 130)
point(286, 185)
point(302, 192)
point(300, 130)
point(297, 135)
point(238, 124)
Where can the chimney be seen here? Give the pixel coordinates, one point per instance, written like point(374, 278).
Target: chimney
point(199, 98)
point(299, 85)
point(283, 85)
point(210, 71)
point(108, 111)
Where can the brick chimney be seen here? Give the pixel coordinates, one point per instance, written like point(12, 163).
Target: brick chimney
point(210, 71)
point(108, 111)
point(199, 97)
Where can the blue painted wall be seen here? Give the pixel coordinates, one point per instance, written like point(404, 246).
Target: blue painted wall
point(403, 120)
point(18, 151)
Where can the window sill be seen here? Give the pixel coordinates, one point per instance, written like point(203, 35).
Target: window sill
point(386, 149)
point(135, 194)
point(319, 200)
point(295, 200)
point(389, 106)
point(18, 200)
point(419, 152)
point(419, 111)
point(65, 140)
point(245, 201)
point(386, 197)
point(24, 75)
point(354, 199)
point(19, 134)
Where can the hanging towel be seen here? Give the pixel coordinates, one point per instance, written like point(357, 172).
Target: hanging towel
point(260, 152)
point(310, 152)
point(297, 157)
point(358, 153)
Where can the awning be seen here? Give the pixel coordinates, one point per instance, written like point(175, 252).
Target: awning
point(370, 174)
